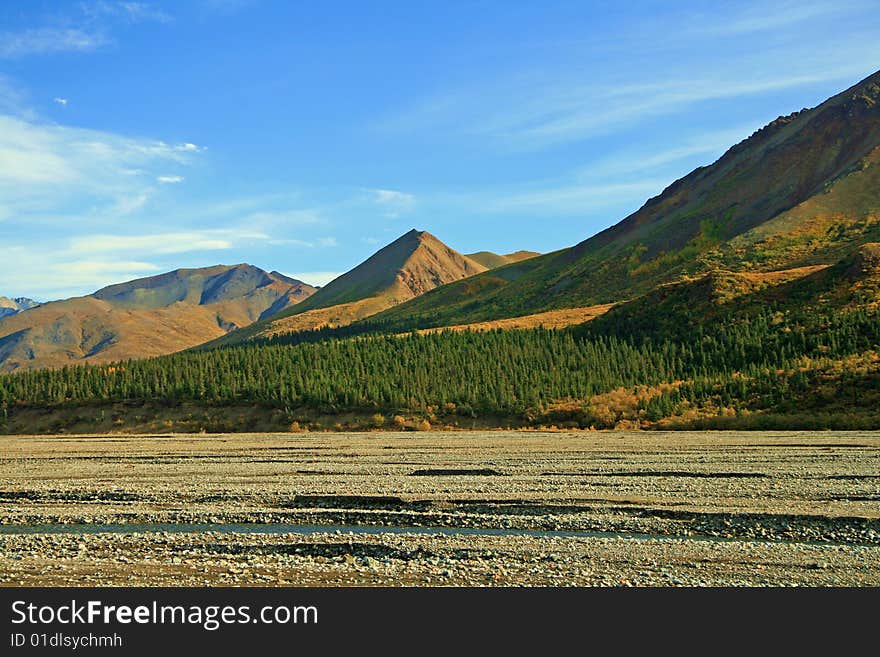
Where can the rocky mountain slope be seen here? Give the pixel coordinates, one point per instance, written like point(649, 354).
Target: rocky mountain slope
point(803, 190)
point(12, 306)
point(410, 266)
point(145, 317)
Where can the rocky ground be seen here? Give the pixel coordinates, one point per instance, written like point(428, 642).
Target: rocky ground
point(654, 509)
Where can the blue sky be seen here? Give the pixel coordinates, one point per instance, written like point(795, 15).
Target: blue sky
point(138, 137)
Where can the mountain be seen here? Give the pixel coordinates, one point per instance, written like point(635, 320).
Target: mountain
point(744, 296)
point(684, 309)
point(804, 190)
point(492, 260)
point(410, 266)
point(145, 317)
point(12, 306)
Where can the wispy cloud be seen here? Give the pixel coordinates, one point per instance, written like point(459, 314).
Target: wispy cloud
point(85, 28)
point(525, 109)
point(55, 169)
point(49, 40)
point(87, 270)
point(393, 202)
point(58, 276)
point(12, 99)
point(767, 17)
point(321, 242)
point(572, 111)
point(131, 12)
point(629, 161)
point(169, 180)
point(189, 148)
point(226, 6)
point(571, 199)
point(164, 243)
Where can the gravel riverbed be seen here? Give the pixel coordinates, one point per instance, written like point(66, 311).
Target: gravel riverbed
point(665, 509)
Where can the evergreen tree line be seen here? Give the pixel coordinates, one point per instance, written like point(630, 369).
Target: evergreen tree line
point(738, 362)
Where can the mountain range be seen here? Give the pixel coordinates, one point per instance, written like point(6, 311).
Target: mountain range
point(145, 317)
point(749, 285)
point(221, 306)
point(801, 191)
point(410, 266)
point(13, 306)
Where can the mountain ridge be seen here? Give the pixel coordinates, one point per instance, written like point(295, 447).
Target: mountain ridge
point(794, 160)
point(144, 317)
point(12, 306)
point(492, 260)
point(414, 263)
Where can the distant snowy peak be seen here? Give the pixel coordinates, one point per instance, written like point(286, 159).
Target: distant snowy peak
point(14, 306)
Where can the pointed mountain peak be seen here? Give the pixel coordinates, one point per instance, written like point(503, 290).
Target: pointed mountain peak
point(415, 237)
point(409, 266)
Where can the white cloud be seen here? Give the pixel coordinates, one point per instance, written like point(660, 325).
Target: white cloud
point(80, 268)
point(190, 148)
point(164, 243)
point(765, 17)
point(321, 242)
point(530, 109)
point(626, 162)
point(574, 112)
point(12, 99)
point(60, 101)
point(128, 11)
point(394, 203)
point(569, 199)
point(128, 204)
point(169, 180)
point(56, 169)
point(319, 278)
point(391, 196)
point(85, 29)
point(46, 274)
point(59, 267)
point(58, 154)
point(49, 40)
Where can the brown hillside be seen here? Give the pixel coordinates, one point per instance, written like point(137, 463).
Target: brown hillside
point(803, 190)
point(412, 265)
point(492, 260)
point(138, 319)
point(549, 319)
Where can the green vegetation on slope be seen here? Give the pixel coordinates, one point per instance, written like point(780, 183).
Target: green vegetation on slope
point(770, 365)
point(411, 265)
point(800, 191)
point(797, 349)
